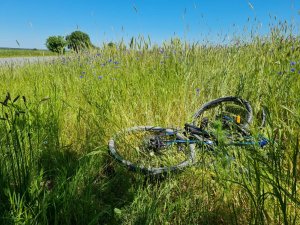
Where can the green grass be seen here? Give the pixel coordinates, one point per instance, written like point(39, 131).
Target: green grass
point(54, 161)
point(8, 52)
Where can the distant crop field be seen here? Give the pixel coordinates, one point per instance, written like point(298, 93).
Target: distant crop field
point(56, 119)
point(9, 52)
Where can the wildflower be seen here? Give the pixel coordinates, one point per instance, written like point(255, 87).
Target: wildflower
point(81, 77)
point(279, 73)
point(197, 91)
point(98, 54)
point(116, 62)
point(292, 63)
point(100, 77)
point(109, 61)
point(102, 64)
point(82, 72)
point(293, 70)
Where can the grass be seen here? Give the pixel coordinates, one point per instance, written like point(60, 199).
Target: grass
point(55, 166)
point(9, 52)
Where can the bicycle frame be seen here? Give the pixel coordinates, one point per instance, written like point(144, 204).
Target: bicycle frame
point(261, 142)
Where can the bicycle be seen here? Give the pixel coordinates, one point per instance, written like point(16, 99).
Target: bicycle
point(154, 150)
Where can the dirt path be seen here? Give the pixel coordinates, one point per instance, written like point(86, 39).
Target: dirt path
point(25, 60)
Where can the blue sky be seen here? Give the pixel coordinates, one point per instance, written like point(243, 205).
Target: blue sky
point(32, 21)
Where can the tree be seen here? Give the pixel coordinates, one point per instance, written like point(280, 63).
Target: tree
point(111, 44)
point(78, 41)
point(56, 44)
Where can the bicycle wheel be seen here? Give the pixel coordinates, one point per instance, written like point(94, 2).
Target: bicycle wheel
point(152, 150)
point(227, 116)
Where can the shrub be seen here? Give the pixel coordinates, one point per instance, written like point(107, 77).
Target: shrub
point(56, 44)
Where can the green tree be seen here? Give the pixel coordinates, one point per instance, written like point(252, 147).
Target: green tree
point(111, 44)
point(56, 44)
point(78, 41)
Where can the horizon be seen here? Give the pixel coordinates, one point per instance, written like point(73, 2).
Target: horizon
point(27, 25)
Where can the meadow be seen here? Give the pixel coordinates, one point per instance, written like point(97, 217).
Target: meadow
point(10, 52)
point(56, 119)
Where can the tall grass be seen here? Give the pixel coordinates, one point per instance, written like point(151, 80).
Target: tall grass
point(55, 168)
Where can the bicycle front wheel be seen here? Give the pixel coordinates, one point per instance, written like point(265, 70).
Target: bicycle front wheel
point(152, 150)
point(229, 113)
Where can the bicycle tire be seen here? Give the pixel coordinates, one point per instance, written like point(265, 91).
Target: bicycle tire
point(233, 99)
point(133, 166)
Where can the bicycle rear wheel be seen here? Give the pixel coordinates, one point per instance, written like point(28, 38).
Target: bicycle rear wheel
point(152, 150)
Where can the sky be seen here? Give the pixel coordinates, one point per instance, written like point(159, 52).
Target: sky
point(28, 23)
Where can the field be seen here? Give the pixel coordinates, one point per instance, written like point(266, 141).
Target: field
point(58, 117)
point(11, 52)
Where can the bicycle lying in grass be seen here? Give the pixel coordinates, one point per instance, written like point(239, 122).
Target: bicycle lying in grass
point(154, 150)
